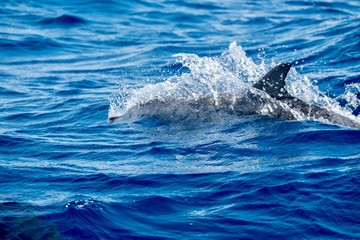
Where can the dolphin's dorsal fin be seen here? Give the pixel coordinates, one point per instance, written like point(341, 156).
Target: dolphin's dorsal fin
point(273, 83)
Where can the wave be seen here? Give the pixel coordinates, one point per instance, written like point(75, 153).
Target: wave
point(63, 20)
point(30, 43)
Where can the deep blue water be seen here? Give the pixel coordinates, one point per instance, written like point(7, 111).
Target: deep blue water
point(68, 173)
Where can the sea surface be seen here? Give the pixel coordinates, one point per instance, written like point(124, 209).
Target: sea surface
point(176, 170)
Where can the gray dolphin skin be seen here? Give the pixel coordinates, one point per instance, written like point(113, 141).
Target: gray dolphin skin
point(273, 83)
point(268, 96)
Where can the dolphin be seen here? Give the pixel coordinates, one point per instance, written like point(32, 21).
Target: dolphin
point(268, 96)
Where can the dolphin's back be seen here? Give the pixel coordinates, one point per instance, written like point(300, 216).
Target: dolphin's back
point(273, 83)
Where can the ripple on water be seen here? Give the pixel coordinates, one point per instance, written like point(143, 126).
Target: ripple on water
point(67, 173)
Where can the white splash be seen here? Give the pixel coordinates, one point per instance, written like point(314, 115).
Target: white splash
point(231, 74)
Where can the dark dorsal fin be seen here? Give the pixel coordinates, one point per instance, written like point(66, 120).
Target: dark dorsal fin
point(273, 83)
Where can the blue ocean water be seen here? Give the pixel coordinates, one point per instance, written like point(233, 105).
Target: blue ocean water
point(68, 173)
